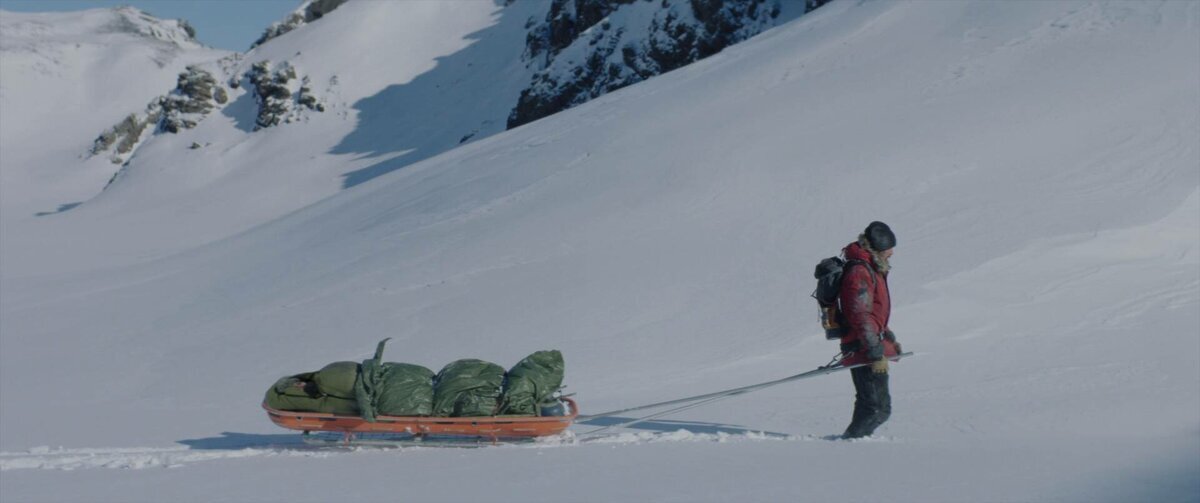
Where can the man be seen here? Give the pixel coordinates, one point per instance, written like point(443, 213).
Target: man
point(866, 305)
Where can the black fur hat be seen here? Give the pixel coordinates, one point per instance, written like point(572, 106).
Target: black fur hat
point(880, 236)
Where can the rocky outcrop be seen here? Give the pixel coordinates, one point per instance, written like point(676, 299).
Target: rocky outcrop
point(187, 28)
point(280, 97)
point(273, 92)
point(565, 21)
point(307, 98)
point(197, 93)
point(587, 48)
point(126, 135)
point(308, 12)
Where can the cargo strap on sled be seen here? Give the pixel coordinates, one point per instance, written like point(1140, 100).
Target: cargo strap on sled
point(698, 400)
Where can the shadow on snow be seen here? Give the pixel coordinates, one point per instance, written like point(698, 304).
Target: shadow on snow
point(441, 108)
point(669, 426)
point(232, 441)
point(61, 208)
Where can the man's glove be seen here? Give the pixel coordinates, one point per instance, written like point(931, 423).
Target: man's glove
point(879, 366)
point(891, 336)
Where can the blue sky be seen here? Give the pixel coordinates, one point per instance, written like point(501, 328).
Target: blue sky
point(225, 24)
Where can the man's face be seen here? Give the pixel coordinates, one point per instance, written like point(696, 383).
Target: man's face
point(887, 254)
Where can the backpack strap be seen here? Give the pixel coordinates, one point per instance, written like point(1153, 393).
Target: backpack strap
point(870, 270)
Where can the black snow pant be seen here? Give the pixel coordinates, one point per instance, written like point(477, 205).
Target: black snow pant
point(872, 402)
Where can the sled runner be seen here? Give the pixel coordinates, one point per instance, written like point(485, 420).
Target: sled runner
point(489, 428)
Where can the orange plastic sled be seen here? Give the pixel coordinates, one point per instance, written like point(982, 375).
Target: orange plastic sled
point(492, 427)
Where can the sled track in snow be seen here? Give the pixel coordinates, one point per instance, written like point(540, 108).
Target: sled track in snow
point(136, 458)
point(132, 458)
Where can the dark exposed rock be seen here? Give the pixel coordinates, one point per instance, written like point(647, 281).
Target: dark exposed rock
point(681, 32)
point(307, 98)
point(187, 28)
point(196, 94)
point(273, 92)
point(125, 134)
point(107, 138)
point(273, 89)
point(129, 131)
point(564, 22)
point(810, 5)
point(307, 13)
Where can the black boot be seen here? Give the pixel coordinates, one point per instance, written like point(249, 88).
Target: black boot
point(872, 402)
point(883, 400)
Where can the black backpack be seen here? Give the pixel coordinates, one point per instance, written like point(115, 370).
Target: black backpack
point(829, 285)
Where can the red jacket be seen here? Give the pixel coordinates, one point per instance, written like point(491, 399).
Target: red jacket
point(866, 305)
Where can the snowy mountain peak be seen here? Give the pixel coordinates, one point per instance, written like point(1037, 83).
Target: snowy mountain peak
point(22, 30)
point(133, 21)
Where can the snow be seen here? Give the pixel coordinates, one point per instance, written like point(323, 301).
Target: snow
point(52, 66)
point(1039, 162)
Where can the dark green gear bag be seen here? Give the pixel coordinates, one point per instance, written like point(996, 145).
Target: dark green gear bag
point(393, 389)
point(337, 379)
point(532, 382)
point(407, 390)
point(299, 393)
point(467, 388)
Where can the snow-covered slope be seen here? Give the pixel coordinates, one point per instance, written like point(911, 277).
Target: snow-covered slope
point(1038, 160)
point(222, 153)
point(64, 78)
point(363, 90)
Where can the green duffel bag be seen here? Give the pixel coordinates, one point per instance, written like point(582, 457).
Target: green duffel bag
point(299, 393)
point(337, 379)
point(467, 388)
point(393, 389)
point(531, 382)
point(407, 391)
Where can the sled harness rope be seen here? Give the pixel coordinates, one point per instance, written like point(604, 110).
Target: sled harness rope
point(834, 365)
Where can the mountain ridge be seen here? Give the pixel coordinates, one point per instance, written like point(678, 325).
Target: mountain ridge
point(548, 90)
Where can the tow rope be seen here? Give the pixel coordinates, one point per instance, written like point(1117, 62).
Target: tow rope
point(695, 401)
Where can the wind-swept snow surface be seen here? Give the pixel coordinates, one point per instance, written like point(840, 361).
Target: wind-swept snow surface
point(1039, 162)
